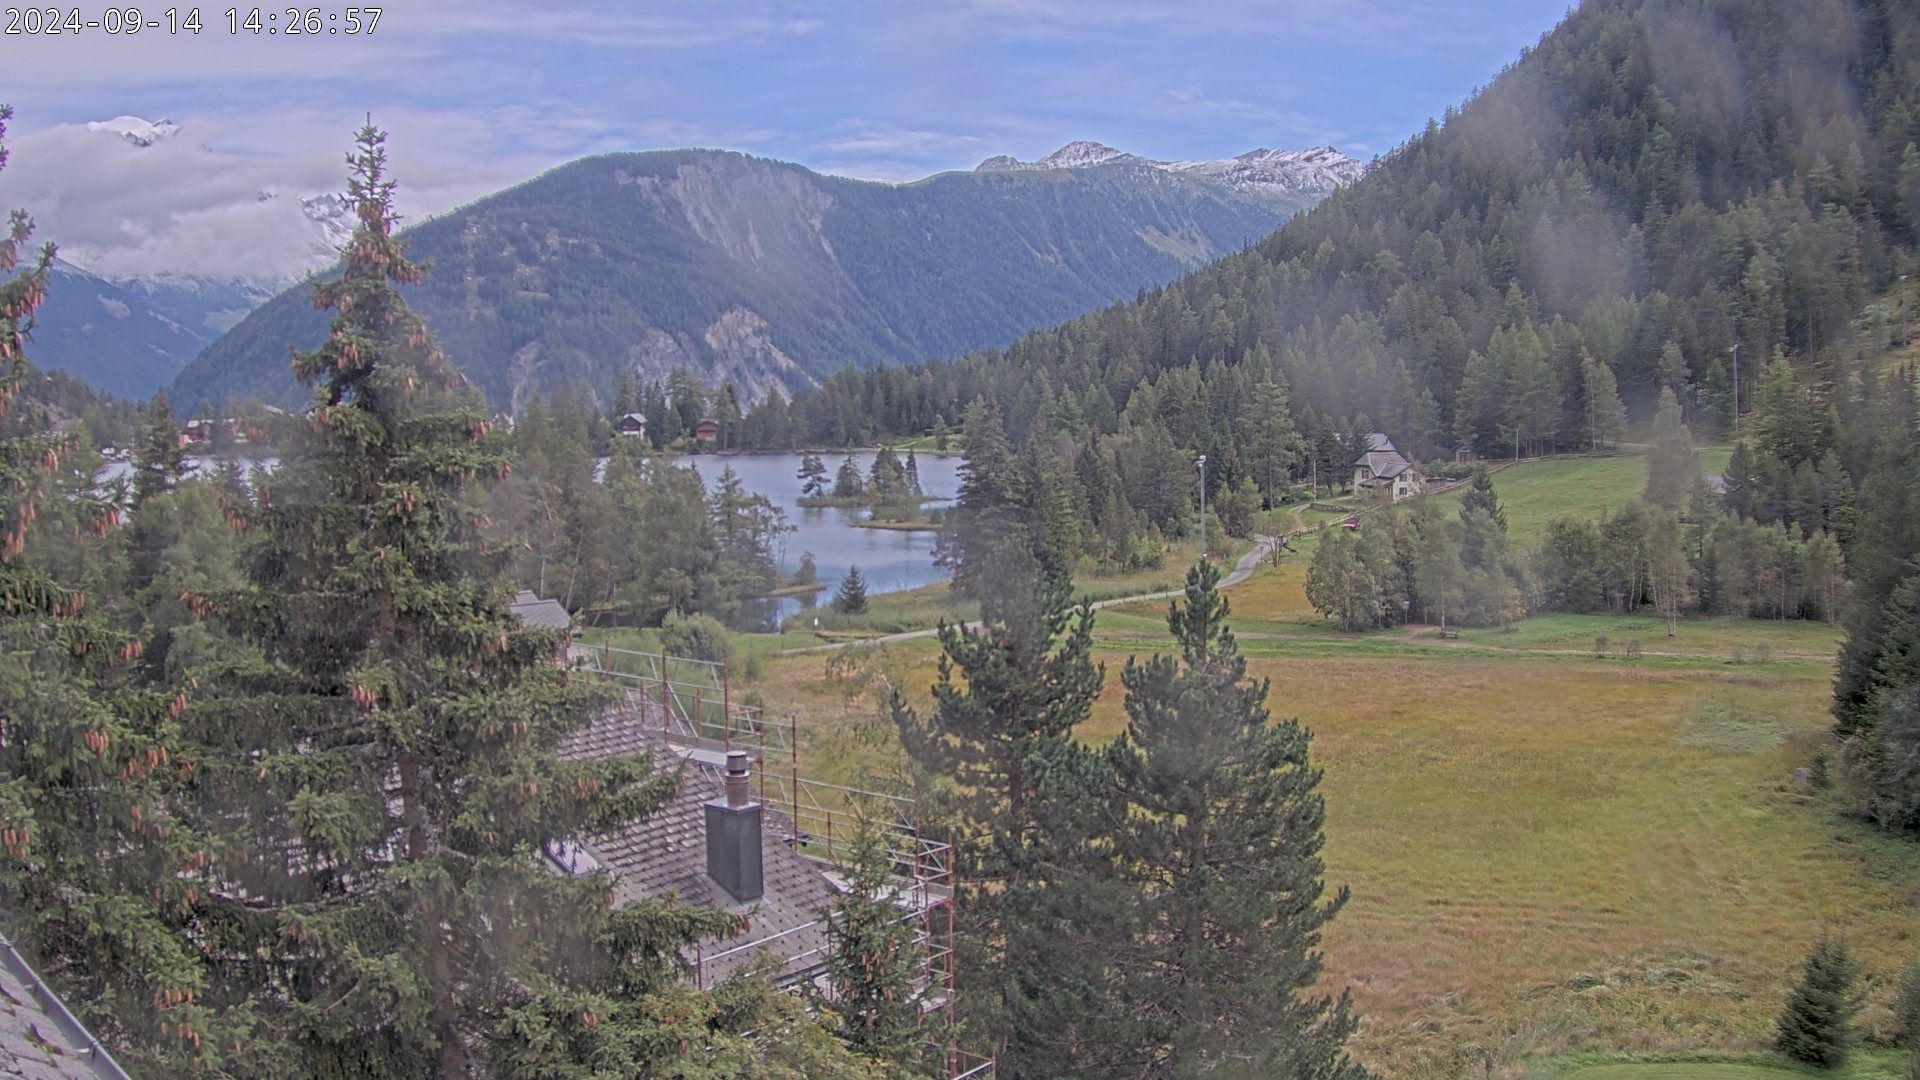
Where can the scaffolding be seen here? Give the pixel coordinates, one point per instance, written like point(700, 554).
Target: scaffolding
point(692, 704)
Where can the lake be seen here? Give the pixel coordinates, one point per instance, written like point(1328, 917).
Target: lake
point(890, 559)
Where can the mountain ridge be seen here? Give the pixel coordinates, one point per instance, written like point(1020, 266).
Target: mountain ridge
point(1314, 172)
point(773, 275)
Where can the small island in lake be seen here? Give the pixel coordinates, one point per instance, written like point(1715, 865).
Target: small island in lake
point(891, 486)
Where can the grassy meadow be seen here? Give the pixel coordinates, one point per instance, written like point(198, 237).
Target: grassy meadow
point(1558, 861)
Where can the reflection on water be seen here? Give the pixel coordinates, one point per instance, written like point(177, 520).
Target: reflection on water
point(889, 559)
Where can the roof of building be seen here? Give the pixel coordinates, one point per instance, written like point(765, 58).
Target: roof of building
point(634, 417)
point(541, 614)
point(1382, 460)
point(39, 1038)
point(665, 854)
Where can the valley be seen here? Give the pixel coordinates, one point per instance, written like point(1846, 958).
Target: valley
point(1557, 858)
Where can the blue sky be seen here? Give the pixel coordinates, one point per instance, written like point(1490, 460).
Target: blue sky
point(482, 93)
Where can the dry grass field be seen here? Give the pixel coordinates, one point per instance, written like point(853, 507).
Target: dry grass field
point(1548, 853)
point(1552, 855)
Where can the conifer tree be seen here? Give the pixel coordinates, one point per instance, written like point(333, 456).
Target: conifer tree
point(851, 598)
point(989, 512)
point(813, 475)
point(88, 875)
point(1009, 690)
point(874, 963)
point(1817, 1024)
point(1672, 468)
point(1221, 839)
point(1481, 497)
point(847, 483)
point(376, 771)
point(160, 460)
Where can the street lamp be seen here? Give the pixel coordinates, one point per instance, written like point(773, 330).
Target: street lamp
point(1736, 388)
point(1202, 465)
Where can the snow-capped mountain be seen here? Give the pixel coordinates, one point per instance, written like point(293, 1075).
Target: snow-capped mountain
point(141, 133)
point(1310, 173)
point(131, 333)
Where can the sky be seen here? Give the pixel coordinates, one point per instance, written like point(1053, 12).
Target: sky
point(481, 94)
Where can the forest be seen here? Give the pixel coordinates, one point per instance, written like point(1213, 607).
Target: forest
point(280, 764)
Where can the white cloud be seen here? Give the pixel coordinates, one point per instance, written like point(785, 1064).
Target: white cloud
point(192, 203)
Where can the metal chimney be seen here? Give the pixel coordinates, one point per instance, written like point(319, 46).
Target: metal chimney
point(733, 835)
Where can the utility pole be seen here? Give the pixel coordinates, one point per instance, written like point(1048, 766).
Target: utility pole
point(1202, 464)
point(1903, 311)
point(1736, 388)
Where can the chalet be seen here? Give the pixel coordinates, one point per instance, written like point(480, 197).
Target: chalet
point(206, 432)
point(707, 431)
point(541, 614)
point(1383, 468)
point(632, 425)
point(1465, 454)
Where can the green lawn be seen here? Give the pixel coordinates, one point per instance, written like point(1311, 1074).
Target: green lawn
point(1868, 1065)
point(1533, 493)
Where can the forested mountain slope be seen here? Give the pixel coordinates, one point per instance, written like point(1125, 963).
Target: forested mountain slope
point(763, 272)
point(1654, 183)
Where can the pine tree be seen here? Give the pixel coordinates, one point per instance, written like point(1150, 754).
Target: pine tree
point(160, 460)
point(377, 773)
point(159, 463)
point(1672, 467)
point(1221, 838)
point(1817, 1024)
point(1008, 690)
point(813, 476)
point(913, 474)
point(1481, 496)
point(847, 483)
point(875, 965)
point(1606, 415)
point(851, 599)
point(89, 862)
point(990, 511)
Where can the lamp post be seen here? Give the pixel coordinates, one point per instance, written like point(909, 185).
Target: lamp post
point(1202, 466)
point(1736, 388)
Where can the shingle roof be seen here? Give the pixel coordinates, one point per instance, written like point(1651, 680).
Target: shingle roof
point(1384, 462)
point(665, 854)
point(39, 1038)
point(541, 614)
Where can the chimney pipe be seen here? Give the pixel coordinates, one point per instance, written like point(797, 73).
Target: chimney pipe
point(733, 835)
point(739, 792)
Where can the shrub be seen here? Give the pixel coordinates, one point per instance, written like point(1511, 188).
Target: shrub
point(1906, 1006)
point(1817, 1025)
point(695, 637)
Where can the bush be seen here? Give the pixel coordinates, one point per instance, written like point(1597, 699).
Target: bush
point(1817, 1025)
point(695, 637)
point(1147, 550)
point(1906, 1006)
